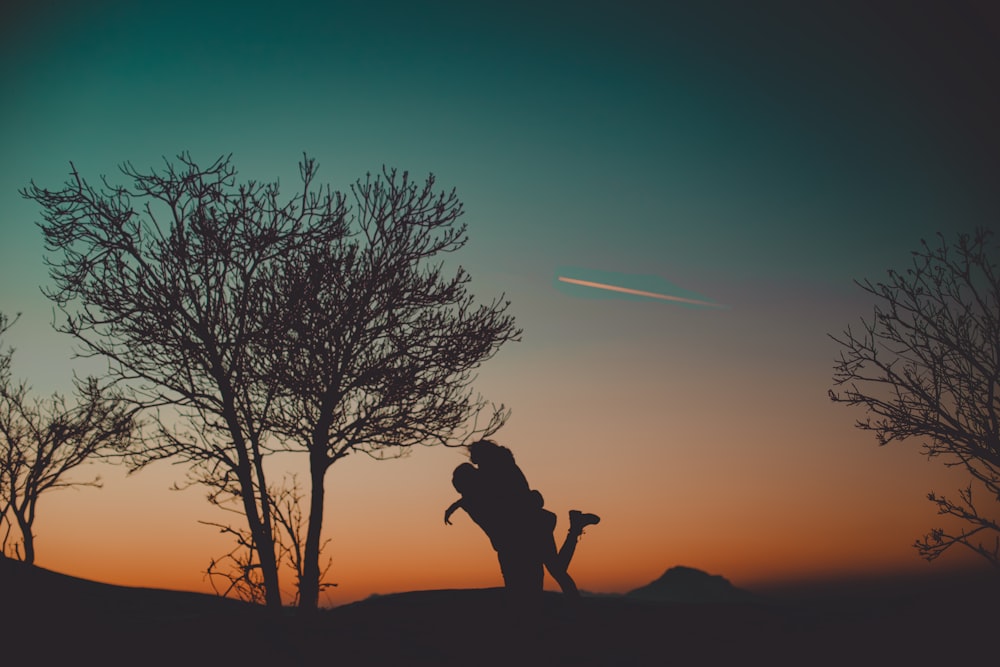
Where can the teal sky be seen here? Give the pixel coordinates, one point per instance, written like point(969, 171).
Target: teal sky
point(712, 147)
point(760, 155)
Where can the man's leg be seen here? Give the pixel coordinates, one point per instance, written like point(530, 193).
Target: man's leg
point(523, 577)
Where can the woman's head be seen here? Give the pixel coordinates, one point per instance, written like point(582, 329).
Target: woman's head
point(487, 452)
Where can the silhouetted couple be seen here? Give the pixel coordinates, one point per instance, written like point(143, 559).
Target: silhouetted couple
point(497, 496)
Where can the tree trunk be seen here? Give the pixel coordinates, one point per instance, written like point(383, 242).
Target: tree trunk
point(268, 564)
point(26, 537)
point(264, 541)
point(258, 523)
point(260, 530)
point(309, 584)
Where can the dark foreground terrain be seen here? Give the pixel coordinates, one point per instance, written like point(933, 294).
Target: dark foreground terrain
point(51, 619)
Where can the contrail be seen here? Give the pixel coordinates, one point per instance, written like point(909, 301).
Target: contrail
point(636, 292)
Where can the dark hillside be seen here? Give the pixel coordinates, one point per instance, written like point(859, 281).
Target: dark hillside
point(49, 618)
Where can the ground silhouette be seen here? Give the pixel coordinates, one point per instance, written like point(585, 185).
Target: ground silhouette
point(49, 618)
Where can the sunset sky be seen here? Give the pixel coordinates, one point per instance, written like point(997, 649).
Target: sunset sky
point(758, 156)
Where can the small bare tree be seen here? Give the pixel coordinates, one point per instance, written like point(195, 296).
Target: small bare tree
point(927, 366)
point(43, 440)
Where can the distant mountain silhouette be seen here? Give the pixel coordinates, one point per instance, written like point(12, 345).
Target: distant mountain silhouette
point(686, 584)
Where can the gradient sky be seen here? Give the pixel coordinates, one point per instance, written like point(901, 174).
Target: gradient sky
point(761, 157)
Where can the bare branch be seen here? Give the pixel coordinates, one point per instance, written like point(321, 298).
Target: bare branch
point(926, 366)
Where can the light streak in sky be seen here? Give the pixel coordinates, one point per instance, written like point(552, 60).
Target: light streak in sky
point(636, 292)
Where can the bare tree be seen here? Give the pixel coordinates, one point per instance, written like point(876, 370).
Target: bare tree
point(43, 440)
point(927, 366)
point(165, 279)
point(271, 326)
point(382, 342)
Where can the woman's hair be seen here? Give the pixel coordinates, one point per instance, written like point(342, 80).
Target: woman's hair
point(487, 451)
